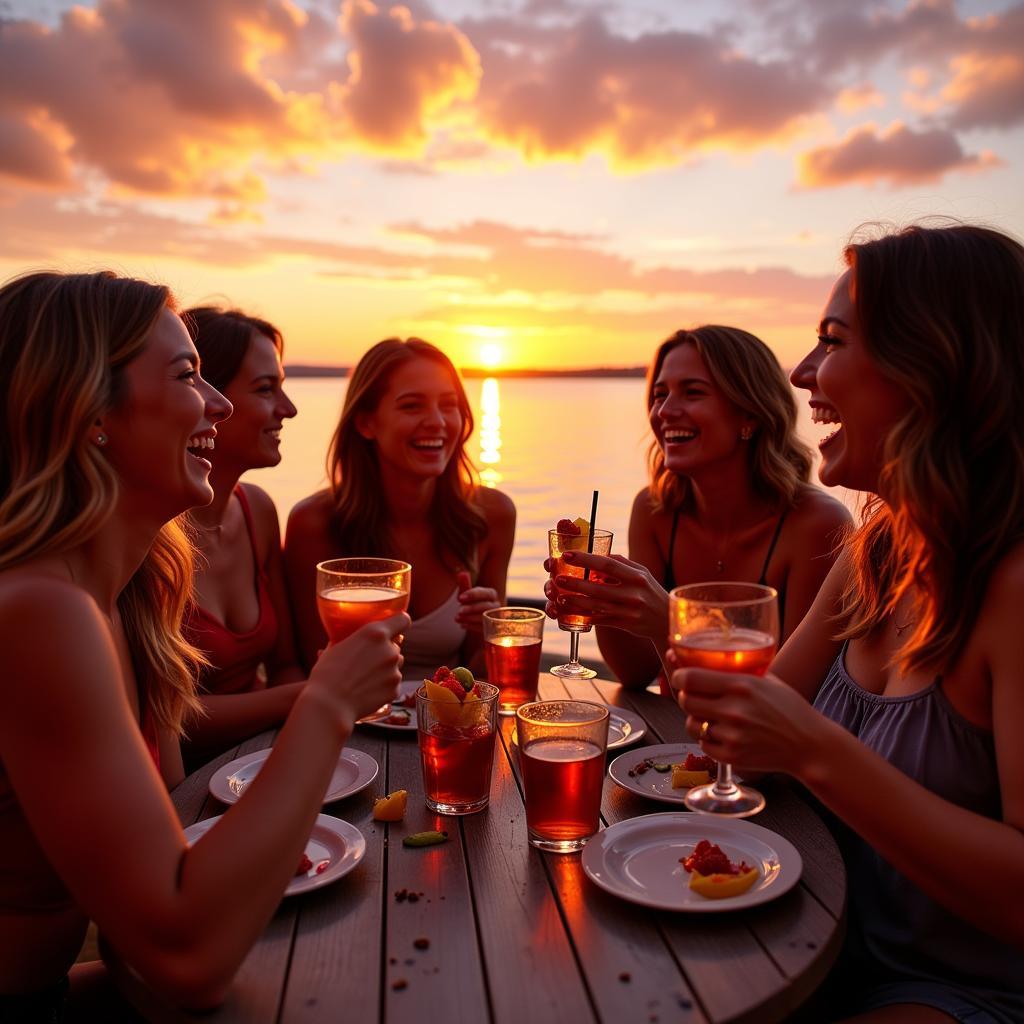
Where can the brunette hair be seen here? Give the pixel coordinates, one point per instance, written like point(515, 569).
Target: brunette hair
point(65, 340)
point(222, 337)
point(746, 371)
point(941, 311)
point(354, 474)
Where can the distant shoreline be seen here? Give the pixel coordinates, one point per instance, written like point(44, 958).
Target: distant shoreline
point(303, 370)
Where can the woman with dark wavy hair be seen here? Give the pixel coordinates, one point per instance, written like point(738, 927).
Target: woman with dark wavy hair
point(241, 616)
point(402, 486)
point(104, 419)
point(898, 701)
point(728, 499)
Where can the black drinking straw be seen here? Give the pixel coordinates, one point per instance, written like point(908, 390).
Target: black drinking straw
point(590, 538)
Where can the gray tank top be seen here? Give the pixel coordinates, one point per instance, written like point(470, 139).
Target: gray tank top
point(901, 928)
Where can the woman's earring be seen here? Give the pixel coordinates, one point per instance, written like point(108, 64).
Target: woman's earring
point(101, 439)
point(746, 433)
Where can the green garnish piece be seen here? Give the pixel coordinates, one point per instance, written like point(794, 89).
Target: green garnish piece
point(465, 678)
point(425, 839)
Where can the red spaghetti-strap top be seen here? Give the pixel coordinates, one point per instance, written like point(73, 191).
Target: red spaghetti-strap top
point(235, 657)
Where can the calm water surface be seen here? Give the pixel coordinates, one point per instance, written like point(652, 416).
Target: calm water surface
point(546, 442)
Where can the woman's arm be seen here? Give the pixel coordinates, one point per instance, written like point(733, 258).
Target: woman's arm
point(307, 541)
point(183, 918)
point(489, 591)
point(972, 865)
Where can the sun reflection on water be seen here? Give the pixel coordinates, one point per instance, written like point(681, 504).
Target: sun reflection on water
point(490, 432)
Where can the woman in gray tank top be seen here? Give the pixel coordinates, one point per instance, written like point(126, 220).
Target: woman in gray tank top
point(899, 700)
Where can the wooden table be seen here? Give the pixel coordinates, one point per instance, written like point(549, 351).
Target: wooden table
point(518, 936)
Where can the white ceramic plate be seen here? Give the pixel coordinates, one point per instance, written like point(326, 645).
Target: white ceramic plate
point(335, 847)
point(377, 719)
point(355, 771)
point(653, 785)
point(624, 728)
point(639, 860)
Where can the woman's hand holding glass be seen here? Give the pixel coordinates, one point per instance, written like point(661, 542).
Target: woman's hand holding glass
point(620, 593)
point(362, 672)
point(474, 601)
point(758, 723)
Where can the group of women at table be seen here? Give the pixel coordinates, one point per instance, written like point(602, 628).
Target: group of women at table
point(148, 607)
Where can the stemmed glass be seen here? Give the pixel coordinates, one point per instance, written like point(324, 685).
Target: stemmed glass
point(729, 627)
point(574, 624)
point(350, 592)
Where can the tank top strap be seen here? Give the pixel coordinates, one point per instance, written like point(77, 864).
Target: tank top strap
point(669, 579)
point(243, 500)
point(763, 581)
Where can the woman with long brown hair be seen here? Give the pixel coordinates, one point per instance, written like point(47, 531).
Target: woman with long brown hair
point(402, 486)
point(728, 499)
point(105, 419)
point(898, 701)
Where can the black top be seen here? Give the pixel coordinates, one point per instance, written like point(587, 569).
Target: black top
point(670, 579)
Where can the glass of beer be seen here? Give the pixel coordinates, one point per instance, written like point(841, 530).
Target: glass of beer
point(562, 745)
point(350, 592)
point(729, 627)
point(457, 749)
point(512, 642)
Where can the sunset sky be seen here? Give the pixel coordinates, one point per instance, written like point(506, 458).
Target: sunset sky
point(566, 181)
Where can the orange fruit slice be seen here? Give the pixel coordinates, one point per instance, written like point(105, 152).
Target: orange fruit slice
point(717, 887)
point(391, 807)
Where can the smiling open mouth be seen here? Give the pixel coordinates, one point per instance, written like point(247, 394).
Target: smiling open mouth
point(433, 444)
point(823, 414)
point(678, 436)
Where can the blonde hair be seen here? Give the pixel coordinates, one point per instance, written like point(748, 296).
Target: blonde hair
point(359, 523)
point(941, 311)
point(747, 373)
point(64, 341)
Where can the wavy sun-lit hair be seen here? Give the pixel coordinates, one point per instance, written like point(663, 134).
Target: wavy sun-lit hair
point(65, 340)
point(746, 371)
point(354, 474)
point(941, 313)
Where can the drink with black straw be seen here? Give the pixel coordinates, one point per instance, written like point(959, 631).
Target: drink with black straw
point(576, 535)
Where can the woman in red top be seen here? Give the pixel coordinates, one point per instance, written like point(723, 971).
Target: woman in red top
point(240, 618)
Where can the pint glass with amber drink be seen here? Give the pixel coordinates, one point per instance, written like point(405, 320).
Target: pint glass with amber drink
point(512, 643)
point(562, 745)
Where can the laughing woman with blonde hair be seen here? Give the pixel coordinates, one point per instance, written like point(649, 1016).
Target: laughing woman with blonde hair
point(103, 420)
point(728, 499)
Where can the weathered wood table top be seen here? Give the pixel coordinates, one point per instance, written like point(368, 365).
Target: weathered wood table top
point(516, 935)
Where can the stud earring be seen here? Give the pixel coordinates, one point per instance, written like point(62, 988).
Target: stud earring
point(746, 433)
point(101, 439)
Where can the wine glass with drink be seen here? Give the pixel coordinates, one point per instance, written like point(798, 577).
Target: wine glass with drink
point(729, 627)
point(350, 592)
point(576, 535)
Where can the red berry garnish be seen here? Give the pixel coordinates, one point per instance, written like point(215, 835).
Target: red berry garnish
point(567, 526)
point(304, 865)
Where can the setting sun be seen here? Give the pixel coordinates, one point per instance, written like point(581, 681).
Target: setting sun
point(490, 355)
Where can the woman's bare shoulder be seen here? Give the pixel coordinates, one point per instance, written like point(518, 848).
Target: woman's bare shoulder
point(814, 509)
point(312, 512)
point(264, 516)
point(40, 613)
point(496, 505)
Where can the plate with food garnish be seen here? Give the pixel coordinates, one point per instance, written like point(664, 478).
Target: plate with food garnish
point(334, 848)
point(400, 714)
point(694, 863)
point(354, 771)
point(665, 771)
